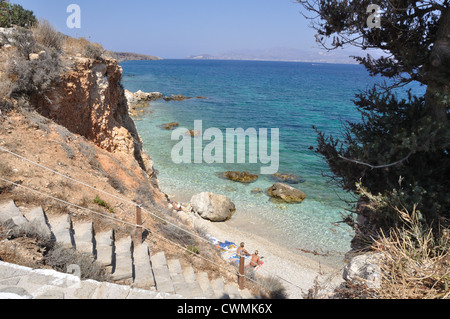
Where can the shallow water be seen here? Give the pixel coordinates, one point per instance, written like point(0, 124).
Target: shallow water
point(292, 97)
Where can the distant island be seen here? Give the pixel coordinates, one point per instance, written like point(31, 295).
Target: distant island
point(128, 56)
point(283, 54)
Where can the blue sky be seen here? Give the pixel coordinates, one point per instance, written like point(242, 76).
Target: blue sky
point(180, 28)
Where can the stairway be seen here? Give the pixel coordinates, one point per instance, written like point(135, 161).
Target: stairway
point(130, 265)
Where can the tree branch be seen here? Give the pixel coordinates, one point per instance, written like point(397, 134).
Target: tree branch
point(379, 166)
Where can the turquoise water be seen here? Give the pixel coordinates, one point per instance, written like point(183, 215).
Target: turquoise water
point(254, 94)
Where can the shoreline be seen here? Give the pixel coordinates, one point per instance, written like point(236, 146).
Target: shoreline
point(296, 272)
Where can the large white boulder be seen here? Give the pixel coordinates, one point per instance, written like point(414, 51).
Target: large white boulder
point(213, 207)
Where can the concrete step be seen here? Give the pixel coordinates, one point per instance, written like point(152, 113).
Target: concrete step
point(105, 248)
point(38, 220)
point(194, 285)
point(9, 213)
point(143, 273)
point(179, 282)
point(123, 261)
point(162, 274)
point(61, 227)
point(129, 265)
point(84, 237)
point(219, 288)
point(205, 284)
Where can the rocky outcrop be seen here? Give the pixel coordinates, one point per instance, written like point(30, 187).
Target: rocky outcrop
point(177, 97)
point(213, 207)
point(140, 96)
point(286, 193)
point(90, 101)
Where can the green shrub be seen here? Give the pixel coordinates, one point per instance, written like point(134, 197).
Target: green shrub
point(102, 203)
point(15, 14)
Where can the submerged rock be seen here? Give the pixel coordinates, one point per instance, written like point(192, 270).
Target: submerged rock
point(288, 178)
point(170, 126)
point(256, 191)
point(177, 97)
point(213, 207)
point(193, 133)
point(242, 177)
point(287, 193)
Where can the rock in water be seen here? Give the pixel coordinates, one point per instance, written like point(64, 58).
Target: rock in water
point(214, 207)
point(287, 193)
point(242, 177)
point(170, 126)
point(177, 97)
point(288, 178)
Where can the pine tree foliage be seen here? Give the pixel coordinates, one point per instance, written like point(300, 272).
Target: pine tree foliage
point(15, 15)
point(400, 148)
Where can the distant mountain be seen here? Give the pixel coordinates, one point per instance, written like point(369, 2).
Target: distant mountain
point(128, 56)
point(285, 54)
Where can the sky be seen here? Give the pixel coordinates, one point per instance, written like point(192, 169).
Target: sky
point(181, 28)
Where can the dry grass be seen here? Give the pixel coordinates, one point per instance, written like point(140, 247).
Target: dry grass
point(73, 46)
point(84, 48)
point(59, 258)
point(416, 265)
point(271, 288)
point(47, 36)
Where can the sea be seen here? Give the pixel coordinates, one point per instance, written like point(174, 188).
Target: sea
point(291, 97)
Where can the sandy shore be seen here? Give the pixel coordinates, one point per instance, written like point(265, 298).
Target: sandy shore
point(297, 273)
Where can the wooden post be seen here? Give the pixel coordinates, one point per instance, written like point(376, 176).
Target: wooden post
point(241, 272)
point(138, 222)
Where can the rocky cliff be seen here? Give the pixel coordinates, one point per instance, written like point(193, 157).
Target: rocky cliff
point(89, 100)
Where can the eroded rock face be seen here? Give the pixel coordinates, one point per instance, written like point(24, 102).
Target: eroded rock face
point(90, 101)
point(287, 193)
point(214, 207)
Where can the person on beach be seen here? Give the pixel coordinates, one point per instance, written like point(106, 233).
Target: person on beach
point(256, 260)
point(241, 251)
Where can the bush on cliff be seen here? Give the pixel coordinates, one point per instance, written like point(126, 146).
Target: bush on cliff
point(93, 51)
point(30, 72)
